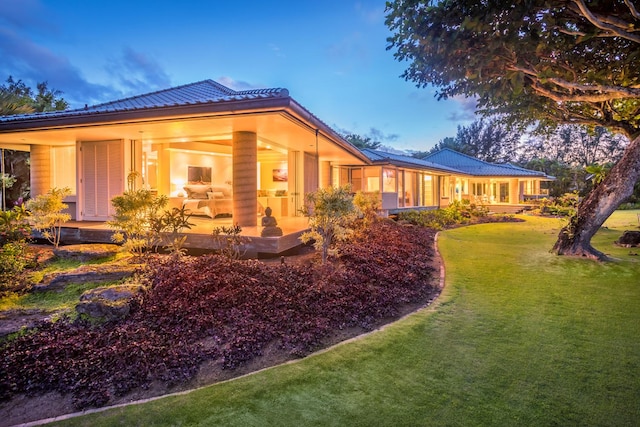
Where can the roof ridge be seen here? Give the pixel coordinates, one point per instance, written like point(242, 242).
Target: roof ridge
point(465, 155)
point(277, 90)
point(219, 86)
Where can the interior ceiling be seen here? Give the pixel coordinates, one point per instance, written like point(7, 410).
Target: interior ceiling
point(274, 128)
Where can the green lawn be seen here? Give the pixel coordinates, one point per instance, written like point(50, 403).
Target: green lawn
point(518, 337)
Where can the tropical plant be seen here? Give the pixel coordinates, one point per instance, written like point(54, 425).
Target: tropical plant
point(368, 204)
point(330, 211)
point(18, 98)
point(14, 225)
point(15, 232)
point(14, 257)
point(46, 213)
point(535, 62)
point(230, 241)
point(169, 228)
point(135, 211)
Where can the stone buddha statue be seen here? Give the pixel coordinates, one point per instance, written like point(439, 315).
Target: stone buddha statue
point(270, 225)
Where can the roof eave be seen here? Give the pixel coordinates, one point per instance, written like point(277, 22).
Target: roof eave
point(164, 112)
point(317, 124)
point(400, 163)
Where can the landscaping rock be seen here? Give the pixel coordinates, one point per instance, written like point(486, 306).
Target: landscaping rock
point(86, 274)
point(629, 239)
point(108, 303)
point(86, 252)
point(14, 320)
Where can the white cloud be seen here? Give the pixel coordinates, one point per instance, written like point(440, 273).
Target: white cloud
point(236, 84)
point(137, 72)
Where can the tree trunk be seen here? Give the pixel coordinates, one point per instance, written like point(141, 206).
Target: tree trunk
point(575, 238)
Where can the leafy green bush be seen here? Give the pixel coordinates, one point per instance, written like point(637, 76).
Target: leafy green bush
point(629, 206)
point(14, 226)
point(564, 205)
point(458, 212)
point(46, 213)
point(15, 232)
point(331, 212)
point(368, 204)
point(437, 219)
point(230, 241)
point(135, 211)
point(14, 257)
point(169, 227)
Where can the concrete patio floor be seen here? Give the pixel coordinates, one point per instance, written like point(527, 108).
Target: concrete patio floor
point(199, 237)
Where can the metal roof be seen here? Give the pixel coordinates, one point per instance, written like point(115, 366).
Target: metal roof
point(472, 166)
point(203, 92)
point(383, 156)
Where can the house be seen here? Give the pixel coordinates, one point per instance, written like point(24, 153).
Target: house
point(225, 154)
point(490, 183)
point(220, 151)
point(403, 182)
point(439, 179)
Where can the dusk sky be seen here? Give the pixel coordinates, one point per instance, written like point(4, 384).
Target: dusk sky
point(331, 55)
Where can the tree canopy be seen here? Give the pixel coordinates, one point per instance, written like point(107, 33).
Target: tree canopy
point(534, 60)
point(18, 98)
point(362, 141)
point(484, 139)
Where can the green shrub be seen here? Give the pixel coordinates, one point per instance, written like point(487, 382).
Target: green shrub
point(135, 212)
point(368, 204)
point(230, 242)
point(437, 219)
point(564, 205)
point(629, 206)
point(458, 212)
point(14, 226)
point(331, 212)
point(14, 257)
point(169, 226)
point(46, 213)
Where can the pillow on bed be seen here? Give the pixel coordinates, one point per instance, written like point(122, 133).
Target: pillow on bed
point(197, 191)
point(215, 195)
point(226, 190)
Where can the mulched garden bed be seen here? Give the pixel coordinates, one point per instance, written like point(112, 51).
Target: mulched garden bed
point(208, 318)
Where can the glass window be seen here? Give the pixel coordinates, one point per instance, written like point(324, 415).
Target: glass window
point(389, 180)
point(335, 176)
point(63, 167)
point(372, 179)
point(356, 179)
point(428, 191)
point(410, 189)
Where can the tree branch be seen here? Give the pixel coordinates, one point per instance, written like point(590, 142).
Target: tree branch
point(618, 92)
point(632, 9)
point(616, 29)
point(583, 97)
point(589, 93)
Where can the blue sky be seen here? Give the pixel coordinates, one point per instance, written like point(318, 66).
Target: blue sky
point(331, 55)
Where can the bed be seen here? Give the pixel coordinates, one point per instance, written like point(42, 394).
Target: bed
point(209, 200)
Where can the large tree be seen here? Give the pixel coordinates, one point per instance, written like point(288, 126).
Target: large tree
point(362, 141)
point(576, 146)
point(542, 62)
point(486, 140)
